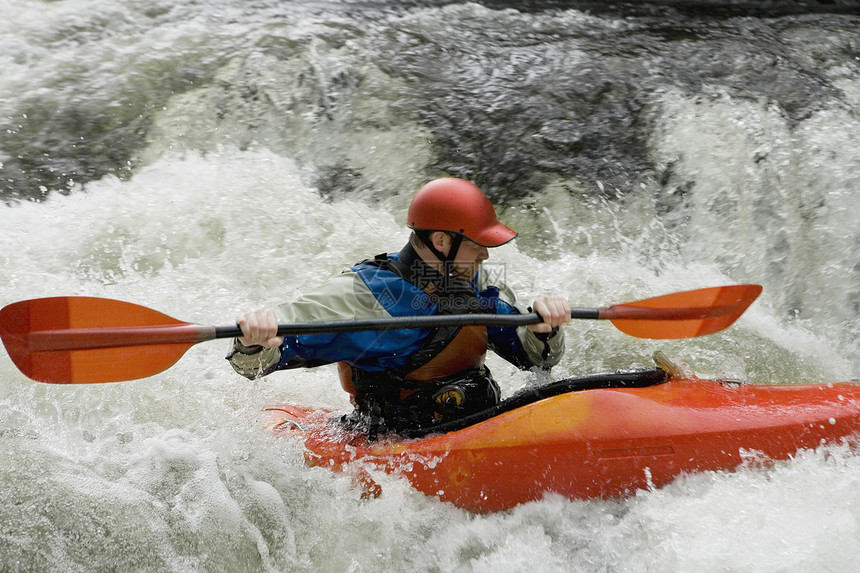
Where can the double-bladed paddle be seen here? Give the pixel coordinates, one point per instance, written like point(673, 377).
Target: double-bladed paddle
point(80, 340)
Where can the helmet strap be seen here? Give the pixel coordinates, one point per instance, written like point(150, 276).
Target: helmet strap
point(447, 260)
point(452, 254)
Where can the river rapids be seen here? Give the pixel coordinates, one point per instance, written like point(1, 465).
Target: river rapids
point(205, 158)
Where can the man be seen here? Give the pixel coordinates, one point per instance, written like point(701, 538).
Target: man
point(411, 379)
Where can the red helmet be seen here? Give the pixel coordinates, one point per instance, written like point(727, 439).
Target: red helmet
point(457, 206)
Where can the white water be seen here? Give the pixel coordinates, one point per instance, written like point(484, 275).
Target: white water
point(173, 473)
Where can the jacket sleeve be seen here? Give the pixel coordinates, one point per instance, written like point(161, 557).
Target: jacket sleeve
point(344, 297)
point(519, 345)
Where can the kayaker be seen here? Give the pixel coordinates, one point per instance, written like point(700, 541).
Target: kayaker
point(412, 379)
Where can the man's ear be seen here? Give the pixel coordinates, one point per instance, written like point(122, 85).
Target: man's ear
point(441, 241)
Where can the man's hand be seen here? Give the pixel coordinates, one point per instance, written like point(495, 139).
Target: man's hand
point(554, 310)
point(259, 328)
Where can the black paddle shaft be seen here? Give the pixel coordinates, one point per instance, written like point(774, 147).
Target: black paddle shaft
point(404, 322)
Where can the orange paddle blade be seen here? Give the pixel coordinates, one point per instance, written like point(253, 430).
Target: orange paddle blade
point(683, 314)
point(72, 340)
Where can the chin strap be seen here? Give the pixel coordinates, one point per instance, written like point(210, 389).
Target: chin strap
point(447, 261)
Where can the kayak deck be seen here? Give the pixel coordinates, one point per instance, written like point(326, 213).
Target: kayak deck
point(603, 442)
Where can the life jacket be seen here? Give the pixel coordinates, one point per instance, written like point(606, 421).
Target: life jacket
point(448, 352)
point(445, 378)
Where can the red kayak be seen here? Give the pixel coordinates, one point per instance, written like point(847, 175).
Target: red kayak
point(601, 436)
